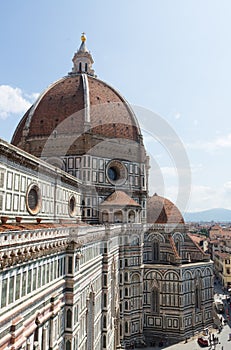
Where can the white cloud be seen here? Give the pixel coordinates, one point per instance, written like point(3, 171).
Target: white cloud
point(209, 146)
point(32, 97)
point(177, 115)
point(13, 101)
point(207, 197)
point(201, 197)
point(168, 171)
point(227, 186)
point(195, 122)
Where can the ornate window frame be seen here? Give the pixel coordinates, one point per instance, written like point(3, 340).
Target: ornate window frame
point(119, 170)
point(33, 190)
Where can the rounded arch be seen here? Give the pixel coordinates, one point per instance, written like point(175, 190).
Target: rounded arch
point(208, 271)
point(151, 275)
point(188, 281)
point(135, 277)
point(177, 236)
point(131, 216)
point(126, 276)
point(68, 318)
point(197, 285)
point(156, 236)
point(68, 345)
point(155, 296)
point(171, 275)
point(105, 216)
point(56, 162)
point(187, 275)
point(179, 241)
point(135, 240)
point(197, 273)
point(136, 291)
point(118, 216)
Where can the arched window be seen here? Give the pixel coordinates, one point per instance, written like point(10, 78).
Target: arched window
point(118, 216)
point(126, 305)
point(131, 216)
point(105, 300)
point(69, 319)
point(105, 217)
point(126, 327)
point(126, 277)
point(178, 246)
point(68, 345)
point(80, 66)
point(156, 251)
point(113, 288)
point(126, 292)
point(105, 280)
point(36, 334)
point(135, 291)
point(104, 341)
point(135, 241)
point(197, 297)
point(155, 300)
point(85, 67)
point(104, 321)
point(90, 320)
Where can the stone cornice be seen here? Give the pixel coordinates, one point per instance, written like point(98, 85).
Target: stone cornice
point(26, 160)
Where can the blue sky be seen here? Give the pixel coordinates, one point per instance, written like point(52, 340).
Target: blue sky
point(169, 56)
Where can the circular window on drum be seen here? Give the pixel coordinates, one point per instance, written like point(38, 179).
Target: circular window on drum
point(116, 172)
point(33, 199)
point(72, 206)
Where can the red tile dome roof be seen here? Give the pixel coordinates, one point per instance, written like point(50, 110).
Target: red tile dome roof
point(119, 198)
point(73, 105)
point(161, 210)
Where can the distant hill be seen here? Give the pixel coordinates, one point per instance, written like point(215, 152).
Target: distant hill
point(217, 214)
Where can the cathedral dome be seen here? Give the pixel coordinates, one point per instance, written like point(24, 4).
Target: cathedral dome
point(76, 104)
point(161, 210)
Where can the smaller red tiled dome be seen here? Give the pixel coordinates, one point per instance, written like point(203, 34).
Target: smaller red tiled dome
point(120, 198)
point(162, 211)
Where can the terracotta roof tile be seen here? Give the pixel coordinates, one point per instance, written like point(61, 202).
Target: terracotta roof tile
point(196, 238)
point(120, 198)
point(161, 210)
point(61, 108)
point(35, 226)
point(223, 255)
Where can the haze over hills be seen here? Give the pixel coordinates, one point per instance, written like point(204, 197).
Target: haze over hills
point(216, 214)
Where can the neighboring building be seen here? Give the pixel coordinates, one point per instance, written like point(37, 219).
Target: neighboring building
point(220, 251)
point(87, 259)
point(201, 240)
point(217, 231)
point(222, 266)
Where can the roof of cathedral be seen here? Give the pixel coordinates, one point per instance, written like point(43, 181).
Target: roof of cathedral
point(28, 226)
point(222, 255)
point(77, 103)
point(119, 198)
point(197, 238)
point(161, 210)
